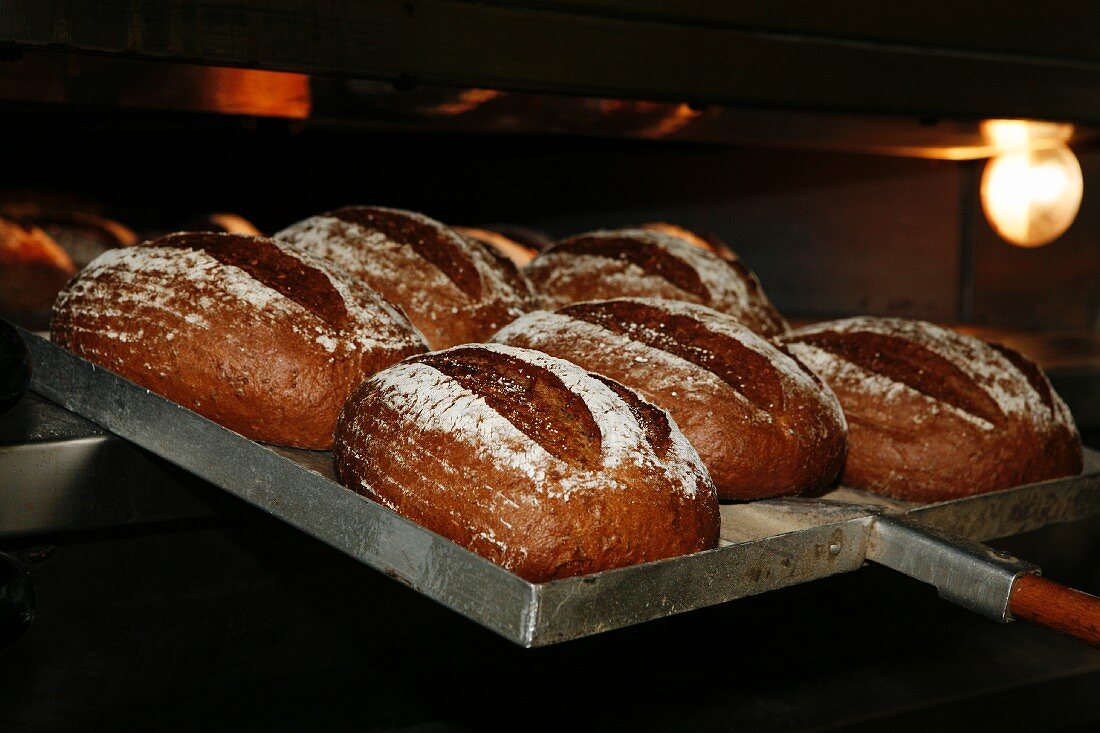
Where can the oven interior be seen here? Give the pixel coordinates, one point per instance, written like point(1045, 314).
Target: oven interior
point(235, 618)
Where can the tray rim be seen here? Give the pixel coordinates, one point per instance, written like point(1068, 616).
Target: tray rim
point(528, 614)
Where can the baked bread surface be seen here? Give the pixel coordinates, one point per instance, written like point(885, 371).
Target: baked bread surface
point(763, 424)
point(934, 414)
point(650, 264)
point(527, 460)
point(261, 339)
point(454, 289)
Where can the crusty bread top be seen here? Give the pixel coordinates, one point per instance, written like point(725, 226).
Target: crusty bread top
point(378, 244)
point(563, 428)
point(696, 346)
point(985, 384)
point(189, 275)
point(658, 260)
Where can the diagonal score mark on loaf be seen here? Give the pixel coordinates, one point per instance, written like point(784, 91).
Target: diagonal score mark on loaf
point(532, 398)
point(747, 372)
point(428, 239)
point(651, 258)
point(1034, 376)
point(269, 265)
point(652, 419)
point(910, 364)
point(746, 274)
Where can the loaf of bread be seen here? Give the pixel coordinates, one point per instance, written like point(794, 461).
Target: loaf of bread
point(455, 290)
point(264, 340)
point(33, 268)
point(650, 264)
point(517, 252)
point(763, 425)
point(221, 221)
point(82, 234)
point(707, 242)
point(934, 414)
point(527, 460)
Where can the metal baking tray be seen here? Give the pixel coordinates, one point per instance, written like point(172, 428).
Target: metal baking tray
point(765, 545)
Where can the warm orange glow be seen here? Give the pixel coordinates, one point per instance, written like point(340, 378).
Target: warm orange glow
point(234, 224)
point(252, 92)
point(1032, 193)
point(513, 250)
point(678, 231)
point(218, 89)
point(1008, 135)
point(677, 118)
point(468, 100)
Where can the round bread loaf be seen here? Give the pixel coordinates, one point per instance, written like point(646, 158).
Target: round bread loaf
point(935, 415)
point(643, 263)
point(763, 425)
point(264, 340)
point(33, 268)
point(455, 290)
point(527, 460)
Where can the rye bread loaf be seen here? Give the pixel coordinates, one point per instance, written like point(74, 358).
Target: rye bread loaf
point(264, 340)
point(33, 268)
point(220, 221)
point(454, 289)
point(934, 414)
point(518, 253)
point(650, 264)
point(81, 233)
point(708, 242)
point(762, 423)
point(527, 460)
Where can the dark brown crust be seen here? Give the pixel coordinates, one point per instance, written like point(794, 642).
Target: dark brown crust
point(508, 268)
point(755, 436)
point(905, 448)
point(263, 260)
point(453, 288)
point(252, 370)
point(533, 399)
point(630, 514)
point(650, 418)
point(640, 263)
point(902, 360)
point(749, 373)
point(426, 240)
point(651, 260)
point(1030, 370)
point(746, 275)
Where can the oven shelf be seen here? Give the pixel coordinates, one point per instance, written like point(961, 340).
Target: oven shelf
point(928, 59)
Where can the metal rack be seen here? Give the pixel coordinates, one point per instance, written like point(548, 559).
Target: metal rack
point(1027, 61)
point(765, 545)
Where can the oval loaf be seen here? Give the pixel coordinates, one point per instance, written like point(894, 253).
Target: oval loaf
point(763, 425)
point(264, 340)
point(454, 289)
point(934, 414)
point(650, 264)
point(527, 460)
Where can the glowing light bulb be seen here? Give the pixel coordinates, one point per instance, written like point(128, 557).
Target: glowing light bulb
point(1032, 191)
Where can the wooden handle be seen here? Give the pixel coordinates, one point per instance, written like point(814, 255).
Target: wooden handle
point(1057, 607)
